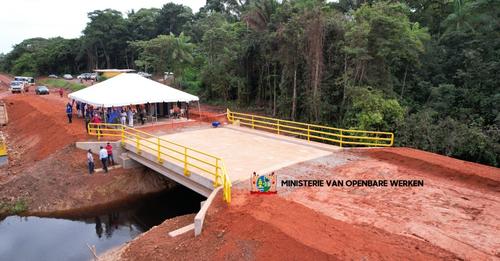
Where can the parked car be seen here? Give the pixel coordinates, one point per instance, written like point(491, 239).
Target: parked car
point(68, 77)
point(17, 86)
point(145, 74)
point(41, 90)
point(84, 76)
point(53, 76)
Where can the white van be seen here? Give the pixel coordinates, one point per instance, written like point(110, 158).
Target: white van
point(28, 81)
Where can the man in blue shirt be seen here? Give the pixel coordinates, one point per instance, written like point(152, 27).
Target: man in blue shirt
point(69, 111)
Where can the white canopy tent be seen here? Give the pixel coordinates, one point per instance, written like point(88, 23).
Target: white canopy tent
point(129, 89)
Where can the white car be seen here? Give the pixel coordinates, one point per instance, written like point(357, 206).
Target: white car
point(68, 77)
point(17, 86)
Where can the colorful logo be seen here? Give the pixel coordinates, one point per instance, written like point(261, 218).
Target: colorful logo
point(263, 184)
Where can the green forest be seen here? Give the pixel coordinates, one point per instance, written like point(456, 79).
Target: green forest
point(427, 70)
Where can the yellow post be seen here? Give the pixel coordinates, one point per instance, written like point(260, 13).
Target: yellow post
point(278, 127)
point(228, 113)
point(137, 144)
point(159, 152)
point(123, 135)
point(341, 136)
point(308, 132)
point(186, 172)
point(216, 181)
point(253, 125)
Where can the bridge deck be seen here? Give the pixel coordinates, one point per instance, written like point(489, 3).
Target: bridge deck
point(244, 151)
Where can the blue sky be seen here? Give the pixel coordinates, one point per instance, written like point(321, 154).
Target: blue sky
point(21, 19)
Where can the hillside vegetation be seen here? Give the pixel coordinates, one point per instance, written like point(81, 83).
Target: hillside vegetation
point(427, 70)
point(60, 83)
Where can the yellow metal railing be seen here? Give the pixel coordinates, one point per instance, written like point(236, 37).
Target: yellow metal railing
point(3, 146)
point(163, 149)
point(314, 132)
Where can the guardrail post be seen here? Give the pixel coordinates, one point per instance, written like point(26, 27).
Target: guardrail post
point(186, 172)
point(216, 181)
point(137, 144)
point(159, 152)
point(278, 127)
point(123, 135)
point(253, 124)
point(308, 132)
point(341, 136)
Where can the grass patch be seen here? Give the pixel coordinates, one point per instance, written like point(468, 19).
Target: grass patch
point(17, 207)
point(60, 83)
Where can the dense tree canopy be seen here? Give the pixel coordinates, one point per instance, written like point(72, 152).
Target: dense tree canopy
point(425, 69)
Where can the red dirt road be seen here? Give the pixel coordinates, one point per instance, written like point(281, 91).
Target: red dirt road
point(457, 209)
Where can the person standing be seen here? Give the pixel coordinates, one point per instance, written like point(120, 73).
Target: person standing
point(90, 161)
point(109, 149)
point(69, 112)
point(97, 123)
point(130, 115)
point(123, 117)
point(142, 112)
point(61, 92)
point(103, 156)
point(86, 115)
point(78, 109)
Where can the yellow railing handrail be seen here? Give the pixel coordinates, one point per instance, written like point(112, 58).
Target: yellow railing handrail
point(311, 131)
point(161, 147)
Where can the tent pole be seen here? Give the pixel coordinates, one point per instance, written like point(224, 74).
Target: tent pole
point(104, 112)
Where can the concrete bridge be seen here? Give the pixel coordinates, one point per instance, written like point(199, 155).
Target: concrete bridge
point(205, 159)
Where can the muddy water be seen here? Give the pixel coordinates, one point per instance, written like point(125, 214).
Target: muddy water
point(36, 238)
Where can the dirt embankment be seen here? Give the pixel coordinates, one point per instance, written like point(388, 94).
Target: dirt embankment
point(456, 209)
point(271, 228)
point(48, 174)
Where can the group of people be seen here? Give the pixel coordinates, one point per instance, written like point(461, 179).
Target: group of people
point(123, 115)
point(105, 156)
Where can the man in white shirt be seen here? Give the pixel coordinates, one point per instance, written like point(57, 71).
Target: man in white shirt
point(103, 156)
point(90, 161)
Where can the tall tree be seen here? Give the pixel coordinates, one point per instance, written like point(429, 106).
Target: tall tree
point(106, 35)
point(172, 18)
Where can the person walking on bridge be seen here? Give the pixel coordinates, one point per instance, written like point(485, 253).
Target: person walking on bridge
point(103, 156)
point(90, 161)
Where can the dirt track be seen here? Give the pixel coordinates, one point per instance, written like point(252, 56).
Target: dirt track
point(457, 209)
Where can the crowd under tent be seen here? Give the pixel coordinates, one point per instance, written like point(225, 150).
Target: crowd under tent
point(128, 89)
